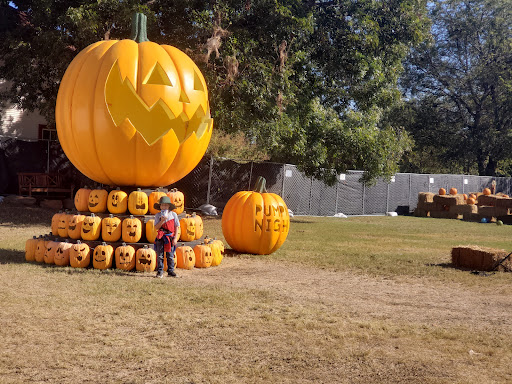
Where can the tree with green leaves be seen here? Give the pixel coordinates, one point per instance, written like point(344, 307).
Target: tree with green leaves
point(460, 87)
point(308, 82)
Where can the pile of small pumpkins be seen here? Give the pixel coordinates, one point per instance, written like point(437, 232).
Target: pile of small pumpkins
point(115, 221)
point(470, 199)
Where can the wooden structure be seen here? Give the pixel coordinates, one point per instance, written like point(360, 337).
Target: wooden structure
point(42, 182)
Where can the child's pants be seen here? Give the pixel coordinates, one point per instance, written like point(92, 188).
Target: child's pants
point(159, 250)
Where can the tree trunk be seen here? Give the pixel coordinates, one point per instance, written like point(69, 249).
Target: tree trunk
point(490, 169)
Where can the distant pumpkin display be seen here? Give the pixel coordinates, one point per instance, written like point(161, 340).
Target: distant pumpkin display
point(256, 222)
point(117, 201)
point(146, 99)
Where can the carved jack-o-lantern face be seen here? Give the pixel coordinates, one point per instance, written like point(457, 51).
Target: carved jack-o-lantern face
point(154, 197)
point(75, 226)
point(111, 228)
point(102, 256)
point(63, 225)
point(178, 199)
point(117, 201)
point(198, 226)
point(185, 257)
point(188, 228)
point(145, 259)
point(40, 250)
point(204, 256)
point(125, 257)
point(98, 200)
point(153, 104)
point(79, 255)
point(217, 256)
point(138, 202)
point(131, 230)
point(49, 254)
point(91, 227)
point(61, 257)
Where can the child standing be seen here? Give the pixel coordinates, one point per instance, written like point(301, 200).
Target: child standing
point(166, 224)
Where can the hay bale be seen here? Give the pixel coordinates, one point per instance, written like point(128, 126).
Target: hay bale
point(462, 209)
point(475, 217)
point(449, 199)
point(488, 200)
point(480, 258)
point(490, 212)
point(425, 197)
point(503, 202)
point(430, 206)
point(418, 212)
point(445, 215)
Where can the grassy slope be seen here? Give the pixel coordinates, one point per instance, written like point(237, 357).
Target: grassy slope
point(65, 325)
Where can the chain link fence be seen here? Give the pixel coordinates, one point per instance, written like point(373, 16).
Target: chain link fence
point(214, 181)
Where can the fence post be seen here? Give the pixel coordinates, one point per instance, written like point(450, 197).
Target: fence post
point(209, 181)
point(387, 199)
point(410, 191)
point(336, 205)
point(250, 176)
point(364, 194)
point(284, 176)
point(310, 193)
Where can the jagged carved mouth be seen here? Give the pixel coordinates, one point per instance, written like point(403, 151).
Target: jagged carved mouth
point(144, 261)
point(131, 234)
point(152, 122)
point(71, 227)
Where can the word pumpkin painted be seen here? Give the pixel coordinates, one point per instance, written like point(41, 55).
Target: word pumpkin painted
point(256, 221)
point(145, 118)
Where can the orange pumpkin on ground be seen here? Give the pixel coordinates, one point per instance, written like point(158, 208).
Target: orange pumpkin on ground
point(61, 257)
point(185, 257)
point(203, 255)
point(30, 249)
point(102, 256)
point(125, 257)
point(145, 259)
point(79, 255)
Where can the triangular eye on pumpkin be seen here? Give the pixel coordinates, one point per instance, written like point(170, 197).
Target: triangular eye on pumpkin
point(49, 254)
point(79, 255)
point(98, 200)
point(157, 76)
point(131, 230)
point(145, 259)
point(61, 257)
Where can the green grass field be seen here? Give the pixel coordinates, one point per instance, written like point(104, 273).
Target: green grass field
point(357, 300)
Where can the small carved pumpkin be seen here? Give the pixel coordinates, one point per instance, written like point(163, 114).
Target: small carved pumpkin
point(132, 230)
point(55, 223)
point(217, 248)
point(40, 250)
point(256, 221)
point(63, 225)
point(154, 197)
point(185, 257)
point(91, 227)
point(82, 199)
point(49, 254)
point(30, 249)
point(203, 255)
point(102, 256)
point(98, 200)
point(145, 259)
point(117, 201)
point(75, 226)
point(198, 226)
point(125, 257)
point(178, 199)
point(61, 257)
point(111, 228)
point(188, 228)
point(150, 231)
point(79, 255)
point(138, 202)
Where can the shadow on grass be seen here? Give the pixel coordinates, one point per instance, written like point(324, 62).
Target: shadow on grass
point(25, 216)
point(11, 256)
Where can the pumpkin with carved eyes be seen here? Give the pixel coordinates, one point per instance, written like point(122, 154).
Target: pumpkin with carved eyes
point(198, 226)
point(63, 225)
point(154, 197)
point(146, 100)
point(204, 256)
point(30, 249)
point(138, 202)
point(98, 200)
point(40, 249)
point(145, 259)
point(49, 254)
point(82, 199)
point(111, 228)
point(102, 256)
point(256, 221)
point(217, 248)
point(61, 257)
point(188, 228)
point(125, 257)
point(75, 226)
point(79, 255)
point(91, 227)
point(178, 199)
point(131, 230)
point(185, 257)
point(55, 223)
point(117, 201)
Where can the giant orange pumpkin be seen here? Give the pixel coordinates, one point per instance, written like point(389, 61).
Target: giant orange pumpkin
point(255, 221)
point(132, 112)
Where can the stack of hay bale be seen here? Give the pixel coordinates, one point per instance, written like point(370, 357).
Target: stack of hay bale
point(490, 207)
point(481, 259)
point(442, 206)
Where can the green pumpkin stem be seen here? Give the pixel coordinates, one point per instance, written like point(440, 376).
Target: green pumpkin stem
point(260, 185)
point(139, 28)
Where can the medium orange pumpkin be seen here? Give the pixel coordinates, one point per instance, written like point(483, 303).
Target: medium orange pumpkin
point(178, 199)
point(256, 221)
point(91, 227)
point(185, 257)
point(98, 200)
point(198, 226)
point(125, 257)
point(487, 191)
point(453, 191)
point(111, 229)
point(55, 223)
point(64, 225)
point(203, 255)
point(102, 256)
point(117, 201)
point(131, 230)
point(470, 201)
point(154, 197)
point(75, 226)
point(150, 231)
point(145, 259)
point(40, 249)
point(79, 255)
point(82, 199)
point(442, 191)
point(61, 257)
point(138, 202)
point(49, 254)
point(30, 249)
point(188, 228)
